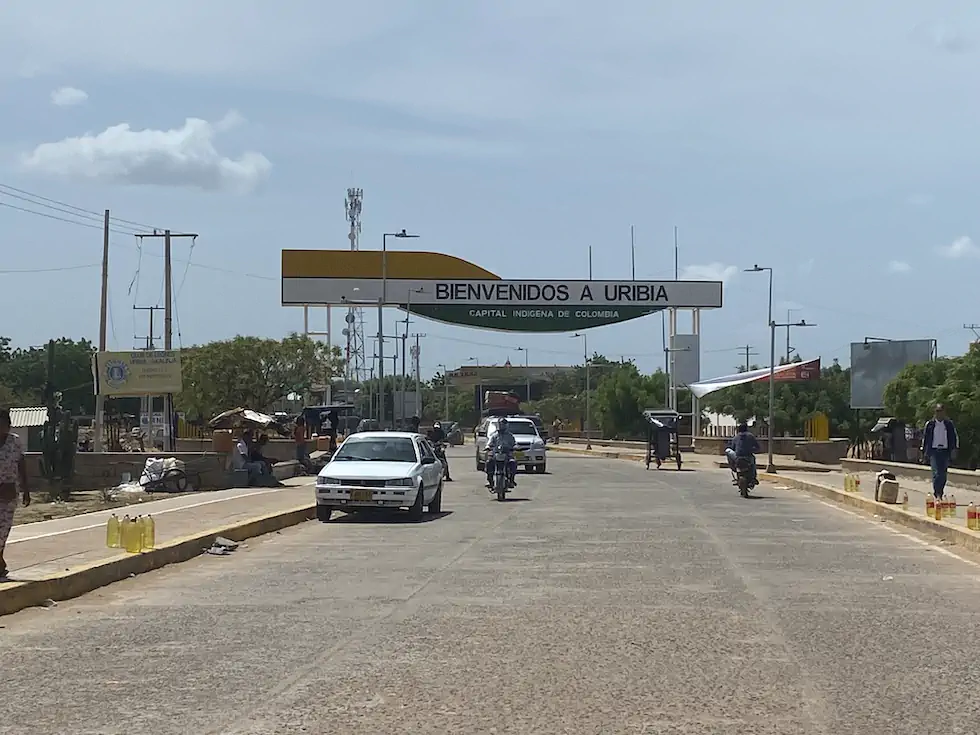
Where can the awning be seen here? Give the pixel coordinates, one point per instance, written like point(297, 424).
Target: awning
point(794, 372)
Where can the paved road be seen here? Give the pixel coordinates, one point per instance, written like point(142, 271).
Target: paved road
point(603, 599)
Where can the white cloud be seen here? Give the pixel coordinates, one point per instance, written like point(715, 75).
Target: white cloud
point(961, 247)
point(899, 266)
point(68, 97)
point(179, 157)
point(709, 272)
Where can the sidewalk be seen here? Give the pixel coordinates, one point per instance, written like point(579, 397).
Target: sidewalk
point(41, 550)
point(690, 459)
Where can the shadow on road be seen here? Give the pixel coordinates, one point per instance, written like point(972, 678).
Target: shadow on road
point(389, 518)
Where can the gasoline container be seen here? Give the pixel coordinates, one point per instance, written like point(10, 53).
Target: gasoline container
point(113, 538)
point(149, 534)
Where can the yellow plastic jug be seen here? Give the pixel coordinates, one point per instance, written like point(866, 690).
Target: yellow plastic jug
point(113, 533)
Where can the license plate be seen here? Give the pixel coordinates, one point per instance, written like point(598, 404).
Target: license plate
point(519, 455)
point(361, 496)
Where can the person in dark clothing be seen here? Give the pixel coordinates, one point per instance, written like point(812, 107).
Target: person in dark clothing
point(939, 445)
point(743, 444)
point(437, 433)
point(414, 423)
point(332, 424)
point(437, 436)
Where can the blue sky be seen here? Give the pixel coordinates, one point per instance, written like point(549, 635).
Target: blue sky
point(835, 143)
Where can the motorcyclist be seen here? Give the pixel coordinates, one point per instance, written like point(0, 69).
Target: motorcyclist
point(504, 441)
point(743, 444)
point(437, 435)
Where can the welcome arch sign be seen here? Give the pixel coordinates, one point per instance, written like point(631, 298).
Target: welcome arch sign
point(449, 289)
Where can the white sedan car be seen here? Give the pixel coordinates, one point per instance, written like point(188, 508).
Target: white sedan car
point(381, 469)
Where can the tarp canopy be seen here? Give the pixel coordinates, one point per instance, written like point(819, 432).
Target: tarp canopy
point(794, 372)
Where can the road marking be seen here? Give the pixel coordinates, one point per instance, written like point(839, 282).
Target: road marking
point(158, 513)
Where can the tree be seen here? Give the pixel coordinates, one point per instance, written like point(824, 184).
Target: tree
point(952, 381)
point(252, 372)
point(23, 373)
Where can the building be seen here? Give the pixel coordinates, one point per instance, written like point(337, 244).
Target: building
point(520, 379)
point(27, 424)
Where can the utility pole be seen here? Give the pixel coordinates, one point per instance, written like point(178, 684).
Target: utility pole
point(748, 352)
point(103, 319)
point(417, 363)
point(150, 344)
point(973, 328)
point(168, 330)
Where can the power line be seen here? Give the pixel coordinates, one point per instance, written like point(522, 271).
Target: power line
point(52, 270)
point(97, 215)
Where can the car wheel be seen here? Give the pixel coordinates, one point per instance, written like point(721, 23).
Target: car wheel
point(416, 511)
point(323, 513)
point(435, 505)
point(542, 468)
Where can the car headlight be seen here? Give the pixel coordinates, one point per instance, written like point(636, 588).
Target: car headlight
point(538, 443)
point(401, 482)
point(327, 481)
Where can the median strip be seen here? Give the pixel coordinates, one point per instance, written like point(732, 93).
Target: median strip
point(77, 581)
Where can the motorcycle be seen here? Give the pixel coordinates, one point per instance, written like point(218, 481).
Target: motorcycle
point(440, 450)
point(501, 480)
point(742, 474)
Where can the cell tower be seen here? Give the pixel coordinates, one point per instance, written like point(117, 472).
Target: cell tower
point(354, 331)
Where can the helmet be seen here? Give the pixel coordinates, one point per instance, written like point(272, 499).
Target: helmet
point(436, 425)
point(742, 428)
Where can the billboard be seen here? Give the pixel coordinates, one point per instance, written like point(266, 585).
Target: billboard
point(875, 364)
point(141, 373)
point(685, 359)
point(452, 290)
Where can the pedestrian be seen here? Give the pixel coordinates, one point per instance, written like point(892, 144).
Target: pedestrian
point(302, 449)
point(13, 470)
point(939, 445)
point(556, 427)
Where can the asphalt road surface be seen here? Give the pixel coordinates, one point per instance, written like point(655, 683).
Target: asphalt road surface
point(600, 599)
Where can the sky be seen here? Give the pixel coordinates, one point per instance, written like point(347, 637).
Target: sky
point(834, 142)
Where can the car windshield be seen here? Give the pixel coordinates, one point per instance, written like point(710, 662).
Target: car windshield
point(377, 449)
point(518, 428)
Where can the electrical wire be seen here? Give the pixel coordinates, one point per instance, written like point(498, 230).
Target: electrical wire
point(6, 188)
point(51, 270)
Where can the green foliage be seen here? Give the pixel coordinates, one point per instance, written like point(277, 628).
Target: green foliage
point(952, 381)
point(23, 374)
point(252, 372)
point(795, 403)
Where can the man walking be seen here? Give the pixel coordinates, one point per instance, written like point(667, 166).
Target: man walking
point(939, 444)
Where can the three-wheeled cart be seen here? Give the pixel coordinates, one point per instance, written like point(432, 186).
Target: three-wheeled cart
point(662, 439)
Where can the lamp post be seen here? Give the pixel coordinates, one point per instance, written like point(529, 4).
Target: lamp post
point(445, 385)
point(381, 305)
point(588, 382)
point(770, 467)
point(527, 374)
point(789, 317)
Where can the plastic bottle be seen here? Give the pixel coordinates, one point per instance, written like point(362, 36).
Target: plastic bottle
point(930, 506)
point(149, 532)
point(113, 532)
point(131, 535)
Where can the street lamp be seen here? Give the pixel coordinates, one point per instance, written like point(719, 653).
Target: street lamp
point(789, 317)
point(588, 382)
point(445, 385)
point(772, 363)
point(527, 374)
point(381, 305)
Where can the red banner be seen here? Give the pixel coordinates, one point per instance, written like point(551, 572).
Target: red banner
point(801, 372)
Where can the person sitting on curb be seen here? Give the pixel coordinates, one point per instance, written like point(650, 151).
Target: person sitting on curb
point(939, 445)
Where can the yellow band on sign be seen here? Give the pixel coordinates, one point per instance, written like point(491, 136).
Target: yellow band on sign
point(143, 373)
point(373, 264)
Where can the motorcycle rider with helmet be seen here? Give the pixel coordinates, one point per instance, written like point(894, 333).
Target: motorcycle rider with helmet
point(437, 435)
point(743, 444)
point(505, 441)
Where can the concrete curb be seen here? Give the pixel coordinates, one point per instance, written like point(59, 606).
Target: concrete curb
point(963, 537)
point(602, 454)
point(16, 596)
